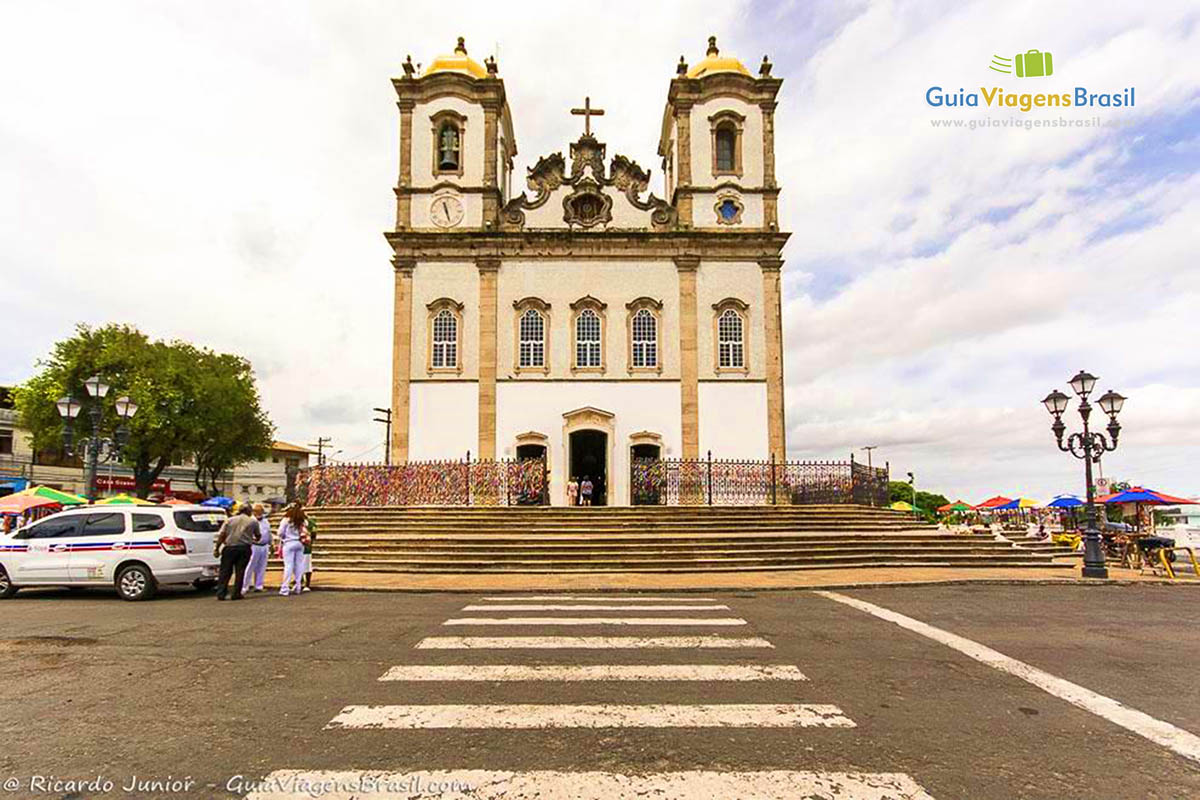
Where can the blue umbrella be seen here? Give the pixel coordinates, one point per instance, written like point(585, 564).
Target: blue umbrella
point(1065, 501)
point(218, 502)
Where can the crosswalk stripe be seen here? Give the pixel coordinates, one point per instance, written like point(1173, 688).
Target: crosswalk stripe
point(522, 715)
point(587, 607)
point(670, 621)
point(588, 642)
point(597, 672)
point(494, 785)
point(611, 598)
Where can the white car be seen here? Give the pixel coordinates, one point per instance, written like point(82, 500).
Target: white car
point(136, 549)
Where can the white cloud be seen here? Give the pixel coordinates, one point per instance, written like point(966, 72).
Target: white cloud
point(221, 172)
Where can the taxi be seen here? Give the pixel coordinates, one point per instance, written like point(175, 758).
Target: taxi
point(135, 550)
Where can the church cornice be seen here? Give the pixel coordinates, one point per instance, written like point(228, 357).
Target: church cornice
point(564, 244)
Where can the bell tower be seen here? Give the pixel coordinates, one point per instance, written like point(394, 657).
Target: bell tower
point(718, 144)
point(456, 144)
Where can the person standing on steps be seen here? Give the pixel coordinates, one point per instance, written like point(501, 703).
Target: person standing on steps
point(308, 550)
point(256, 573)
point(293, 533)
point(585, 491)
point(233, 548)
point(573, 491)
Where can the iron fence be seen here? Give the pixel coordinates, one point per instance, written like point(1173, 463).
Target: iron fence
point(710, 481)
point(466, 482)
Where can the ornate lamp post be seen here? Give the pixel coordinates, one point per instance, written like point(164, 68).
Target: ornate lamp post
point(69, 408)
point(1088, 446)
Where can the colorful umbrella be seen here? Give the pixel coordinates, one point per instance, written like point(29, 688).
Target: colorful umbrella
point(175, 501)
point(957, 505)
point(1065, 501)
point(20, 503)
point(1019, 503)
point(62, 498)
point(124, 500)
point(1137, 494)
point(998, 500)
point(900, 505)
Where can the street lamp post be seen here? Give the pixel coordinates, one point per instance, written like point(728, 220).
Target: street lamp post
point(69, 408)
point(1087, 446)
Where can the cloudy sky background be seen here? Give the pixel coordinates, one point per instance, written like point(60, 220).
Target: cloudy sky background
point(222, 172)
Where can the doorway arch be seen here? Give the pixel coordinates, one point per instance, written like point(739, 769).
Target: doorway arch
point(591, 450)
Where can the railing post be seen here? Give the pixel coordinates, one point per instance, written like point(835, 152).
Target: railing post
point(467, 482)
point(507, 485)
point(710, 477)
point(774, 501)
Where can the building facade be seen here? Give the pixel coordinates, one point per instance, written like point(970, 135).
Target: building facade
point(587, 320)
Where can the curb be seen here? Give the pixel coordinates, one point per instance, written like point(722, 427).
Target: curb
point(1089, 582)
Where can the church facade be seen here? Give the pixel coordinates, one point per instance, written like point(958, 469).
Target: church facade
point(585, 319)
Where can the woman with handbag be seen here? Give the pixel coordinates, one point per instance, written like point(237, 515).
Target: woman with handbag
point(293, 536)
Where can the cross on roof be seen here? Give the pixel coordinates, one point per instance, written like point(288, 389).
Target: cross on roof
point(587, 112)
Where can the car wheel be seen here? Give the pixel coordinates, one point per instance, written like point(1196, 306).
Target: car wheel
point(204, 585)
point(7, 589)
point(136, 582)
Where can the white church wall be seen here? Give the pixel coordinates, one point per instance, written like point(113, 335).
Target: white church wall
point(715, 281)
point(733, 419)
point(423, 144)
point(752, 141)
point(458, 281)
point(443, 419)
point(523, 407)
point(561, 283)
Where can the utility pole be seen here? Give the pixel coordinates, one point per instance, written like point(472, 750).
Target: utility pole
point(387, 437)
point(321, 443)
point(869, 449)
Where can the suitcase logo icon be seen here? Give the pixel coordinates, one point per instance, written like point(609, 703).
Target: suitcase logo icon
point(1030, 64)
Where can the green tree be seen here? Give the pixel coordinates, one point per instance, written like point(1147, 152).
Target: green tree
point(187, 397)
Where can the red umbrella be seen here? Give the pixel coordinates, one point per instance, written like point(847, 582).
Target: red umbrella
point(20, 503)
point(998, 500)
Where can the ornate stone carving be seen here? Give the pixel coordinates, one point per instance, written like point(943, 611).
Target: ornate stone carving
point(587, 205)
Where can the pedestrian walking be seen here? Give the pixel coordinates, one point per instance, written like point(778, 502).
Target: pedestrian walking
point(293, 532)
point(585, 491)
point(308, 551)
point(256, 573)
point(233, 548)
point(573, 491)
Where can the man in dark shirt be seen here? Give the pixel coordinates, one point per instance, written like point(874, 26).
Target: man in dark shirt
point(237, 535)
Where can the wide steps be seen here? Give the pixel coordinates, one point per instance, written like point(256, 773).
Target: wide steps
point(644, 539)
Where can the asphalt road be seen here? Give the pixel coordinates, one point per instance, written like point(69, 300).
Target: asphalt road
point(184, 688)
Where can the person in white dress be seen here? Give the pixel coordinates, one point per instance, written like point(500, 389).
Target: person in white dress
point(293, 534)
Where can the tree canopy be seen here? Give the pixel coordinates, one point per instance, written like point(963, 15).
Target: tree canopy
point(191, 401)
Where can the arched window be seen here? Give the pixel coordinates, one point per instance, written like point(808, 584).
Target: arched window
point(449, 147)
point(445, 340)
point(726, 145)
point(587, 339)
point(731, 348)
point(532, 339)
point(726, 126)
point(645, 339)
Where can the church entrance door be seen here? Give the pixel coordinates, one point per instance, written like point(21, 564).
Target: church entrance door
point(589, 458)
point(644, 477)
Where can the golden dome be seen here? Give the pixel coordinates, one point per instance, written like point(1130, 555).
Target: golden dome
point(713, 62)
point(459, 62)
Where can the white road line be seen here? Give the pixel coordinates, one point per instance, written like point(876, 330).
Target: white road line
point(286, 784)
point(590, 607)
point(669, 621)
point(526, 715)
point(596, 672)
point(589, 642)
point(1164, 733)
point(612, 598)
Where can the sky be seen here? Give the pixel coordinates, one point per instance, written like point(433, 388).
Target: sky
point(222, 172)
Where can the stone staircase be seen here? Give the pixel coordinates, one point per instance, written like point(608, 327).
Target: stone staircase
point(1036, 545)
point(644, 539)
